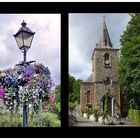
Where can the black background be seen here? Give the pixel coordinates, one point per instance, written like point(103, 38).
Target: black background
point(64, 8)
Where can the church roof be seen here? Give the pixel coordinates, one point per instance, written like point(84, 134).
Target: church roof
point(104, 41)
point(89, 79)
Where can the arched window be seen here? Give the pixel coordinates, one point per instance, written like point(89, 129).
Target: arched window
point(88, 97)
point(106, 59)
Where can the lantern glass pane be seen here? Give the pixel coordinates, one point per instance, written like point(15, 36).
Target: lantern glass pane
point(19, 40)
point(27, 39)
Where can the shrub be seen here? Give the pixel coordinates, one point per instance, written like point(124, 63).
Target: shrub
point(52, 120)
point(71, 106)
point(9, 120)
point(96, 113)
point(49, 119)
point(86, 110)
point(90, 112)
point(55, 108)
point(130, 114)
point(134, 116)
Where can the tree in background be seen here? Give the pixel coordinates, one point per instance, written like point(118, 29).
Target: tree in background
point(129, 65)
point(71, 83)
point(75, 96)
point(74, 91)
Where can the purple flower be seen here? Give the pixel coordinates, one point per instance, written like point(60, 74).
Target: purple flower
point(29, 71)
point(47, 71)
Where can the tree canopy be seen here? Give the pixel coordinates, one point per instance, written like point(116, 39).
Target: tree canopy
point(71, 83)
point(74, 89)
point(129, 65)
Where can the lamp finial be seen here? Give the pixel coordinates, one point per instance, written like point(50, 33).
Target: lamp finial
point(23, 24)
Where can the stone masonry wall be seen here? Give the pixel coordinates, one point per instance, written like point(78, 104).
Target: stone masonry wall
point(100, 71)
point(85, 86)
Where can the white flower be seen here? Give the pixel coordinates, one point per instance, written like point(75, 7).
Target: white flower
point(106, 121)
point(85, 115)
point(92, 117)
point(20, 76)
point(100, 120)
point(30, 105)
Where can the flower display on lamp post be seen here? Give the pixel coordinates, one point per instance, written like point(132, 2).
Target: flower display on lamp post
point(30, 85)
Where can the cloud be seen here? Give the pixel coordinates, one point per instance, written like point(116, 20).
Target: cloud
point(45, 47)
point(84, 33)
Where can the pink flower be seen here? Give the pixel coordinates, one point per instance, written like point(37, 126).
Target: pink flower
point(52, 100)
point(2, 93)
point(37, 70)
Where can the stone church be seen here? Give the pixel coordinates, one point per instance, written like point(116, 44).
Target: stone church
point(103, 80)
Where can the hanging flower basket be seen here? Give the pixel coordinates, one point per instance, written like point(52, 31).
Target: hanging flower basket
point(28, 83)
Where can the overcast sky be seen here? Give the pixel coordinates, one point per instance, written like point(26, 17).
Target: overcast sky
point(84, 33)
point(45, 47)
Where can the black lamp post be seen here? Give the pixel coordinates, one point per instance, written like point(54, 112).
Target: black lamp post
point(24, 38)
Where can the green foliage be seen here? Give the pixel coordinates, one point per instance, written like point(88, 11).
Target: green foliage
point(130, 114)
point(2, 107)
point(8, 120)
point(95, 111)
point(74, 97)
point(58, 93)
point(71, 106)
point(52, 120)
point(55, 108)
point(49, 119)
point(134, 116)
point(133, 28)
point(74, 89)
point(71, 83)
point(88, 110)
point(129, 65)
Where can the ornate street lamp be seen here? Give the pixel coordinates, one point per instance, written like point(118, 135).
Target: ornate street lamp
point(24, 38)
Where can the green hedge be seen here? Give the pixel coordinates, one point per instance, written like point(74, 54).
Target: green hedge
point(134, 116)
point(49, 119)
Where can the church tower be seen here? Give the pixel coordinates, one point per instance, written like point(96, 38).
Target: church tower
point(104, 68)
point(104, 84)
